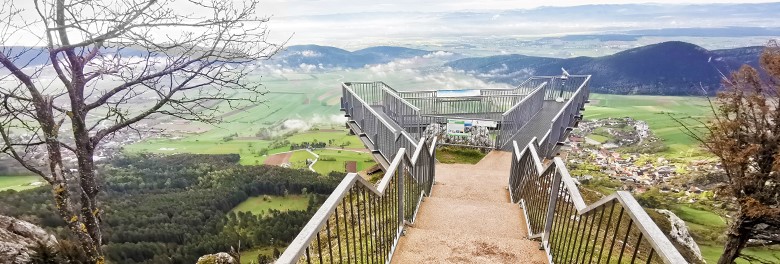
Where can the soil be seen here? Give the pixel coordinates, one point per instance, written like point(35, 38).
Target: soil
point(278, 159)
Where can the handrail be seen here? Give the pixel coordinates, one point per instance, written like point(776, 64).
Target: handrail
point(392, 93)
point(383, 134)
point(514, 119)
point(469, 96)
point(538, 88)
point(334, 236)
point(369, 108)
point(555, 211)
point(558, 124)
point(577, 93)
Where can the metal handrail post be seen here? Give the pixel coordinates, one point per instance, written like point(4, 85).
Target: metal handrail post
point(400, 173)
point(548, 222)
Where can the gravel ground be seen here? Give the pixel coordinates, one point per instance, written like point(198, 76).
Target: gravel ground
point(469, 219)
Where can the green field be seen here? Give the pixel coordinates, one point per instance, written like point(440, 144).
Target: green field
point(701, 222)
point(250, 256)
point(711, 254)
point(700, 217)
point(261, 204)
point(657, 111)
point(338, 137)
point(18, 182)
point(599, 138)
point(325, 165)
point(242, 147)
point(298, 159)
point(452, 155)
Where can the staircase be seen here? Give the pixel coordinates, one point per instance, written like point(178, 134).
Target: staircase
point(469, 219)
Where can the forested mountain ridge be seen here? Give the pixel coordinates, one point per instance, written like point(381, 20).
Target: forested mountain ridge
point(668, 68)
point(330, 57)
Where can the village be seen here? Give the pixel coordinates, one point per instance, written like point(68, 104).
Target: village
point(627, 152)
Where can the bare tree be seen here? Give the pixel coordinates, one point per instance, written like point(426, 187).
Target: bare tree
point(745, 135)
point(100, 67)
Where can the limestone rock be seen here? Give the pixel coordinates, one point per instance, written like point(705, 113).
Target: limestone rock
point(17, 238)
point(679, 232)
point(218, 258)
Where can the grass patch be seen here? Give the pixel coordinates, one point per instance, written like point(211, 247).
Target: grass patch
point(599, 138)
point(298, 159)
point(260, 205)
point(712, 253)
point(336, 138)
point(450, 155)
point(250, 256)
point(245, 148)
point(700, 217)
point(333, 160)
point(18, 182)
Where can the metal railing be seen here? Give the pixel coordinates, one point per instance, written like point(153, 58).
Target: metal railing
point(518, 116)
point(370, 92)
point(362, 223)
point(559, 87)
point(566, 118)
point(613, 230)
point(385, 136)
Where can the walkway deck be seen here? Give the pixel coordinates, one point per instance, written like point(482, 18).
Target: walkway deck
point(538, 126)
point(469, 219)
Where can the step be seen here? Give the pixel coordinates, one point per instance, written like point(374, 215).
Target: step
point(490, 219)
point(430, 246)
point(468, 173)
point(471, 190)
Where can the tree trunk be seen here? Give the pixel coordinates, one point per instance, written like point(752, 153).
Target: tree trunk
point(736, 239)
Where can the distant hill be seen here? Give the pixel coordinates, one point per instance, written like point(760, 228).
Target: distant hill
point(669, 68)
point(335, 57)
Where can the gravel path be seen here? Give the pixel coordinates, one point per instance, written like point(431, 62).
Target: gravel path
point(469, 219)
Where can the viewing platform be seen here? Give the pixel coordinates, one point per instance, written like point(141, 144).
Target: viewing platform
point(517, 205)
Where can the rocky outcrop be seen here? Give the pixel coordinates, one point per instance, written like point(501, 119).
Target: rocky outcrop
point(18, 238)
point(679, 232)
point(218, 258)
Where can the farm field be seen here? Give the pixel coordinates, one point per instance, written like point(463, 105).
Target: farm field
point(250, 256)
point(261, 204)
point(18, 182)
point(298, 159)
point(657, 112)
point(294, 104)
point(338, 137)
point(333, 160)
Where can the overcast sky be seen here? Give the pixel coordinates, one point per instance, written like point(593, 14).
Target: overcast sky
point(314, 22)
point(318, 7)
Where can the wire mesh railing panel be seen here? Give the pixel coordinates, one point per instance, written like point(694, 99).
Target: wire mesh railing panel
point(360, 223)
point(519, 115)
point(565, 118)
point(370, 92)
point(615, 229)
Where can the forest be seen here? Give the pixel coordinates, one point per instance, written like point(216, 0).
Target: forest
point(174, 209)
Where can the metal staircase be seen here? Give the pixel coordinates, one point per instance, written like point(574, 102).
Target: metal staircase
point(518, 205)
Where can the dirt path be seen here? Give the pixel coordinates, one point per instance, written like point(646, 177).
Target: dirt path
point(469, 219)
point(278, 159)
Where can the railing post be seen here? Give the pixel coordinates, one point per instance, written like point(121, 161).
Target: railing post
point(400, 173)
point(554, 189)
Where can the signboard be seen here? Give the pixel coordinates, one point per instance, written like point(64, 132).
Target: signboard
point(485, 123)
point(457, 93)
point(457, 127)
